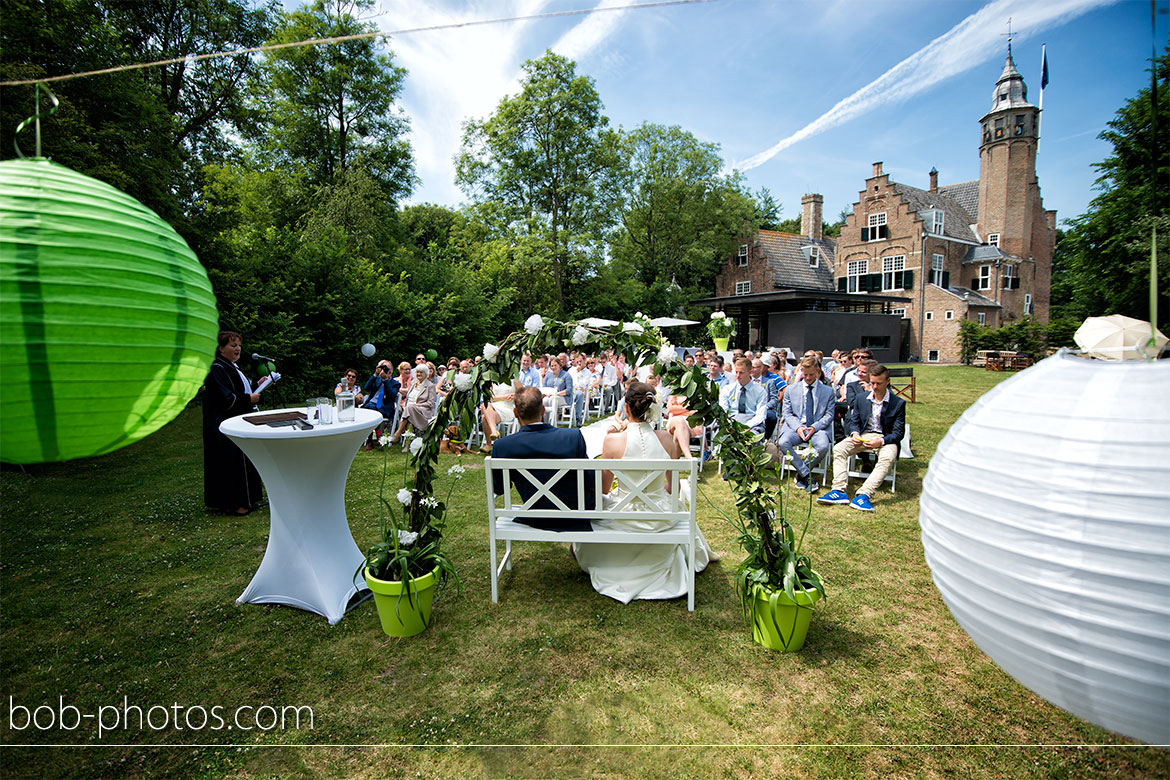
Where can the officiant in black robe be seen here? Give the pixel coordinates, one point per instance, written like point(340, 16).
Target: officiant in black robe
point(230, 482)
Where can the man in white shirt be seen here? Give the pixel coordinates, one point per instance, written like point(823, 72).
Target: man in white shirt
point(744, 400)
point(876, 421)
point(609, 380)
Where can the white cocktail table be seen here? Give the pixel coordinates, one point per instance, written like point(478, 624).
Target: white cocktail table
point(311, 556)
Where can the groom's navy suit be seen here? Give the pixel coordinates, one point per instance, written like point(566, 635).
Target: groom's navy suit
point(544, 441)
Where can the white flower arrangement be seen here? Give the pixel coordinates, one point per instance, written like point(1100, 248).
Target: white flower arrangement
point(666, 354)
point(456, 471)
point(633, 327)
point(407, 538)
point(430, 502)
point(384, 439)
point(416, 445)
point(404, 496)
point(654, 411)
point(533, 324)
point(489, 352)
point(718, 315)
point(580, 336)
point(463, 382)
point(720, 327)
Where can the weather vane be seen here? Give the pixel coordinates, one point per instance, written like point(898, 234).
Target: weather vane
point(1009, 32)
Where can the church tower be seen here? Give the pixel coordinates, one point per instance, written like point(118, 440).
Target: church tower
point(1009, 194)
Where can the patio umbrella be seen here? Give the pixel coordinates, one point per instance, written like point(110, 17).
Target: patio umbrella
point(1116, 337)
point(670, 322)
point(596, 322)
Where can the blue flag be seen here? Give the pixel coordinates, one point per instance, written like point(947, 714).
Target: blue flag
point(1044, 69)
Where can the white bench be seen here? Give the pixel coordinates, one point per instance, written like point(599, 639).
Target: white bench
point(503, 509)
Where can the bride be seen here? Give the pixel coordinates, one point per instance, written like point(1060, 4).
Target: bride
point(650, 571)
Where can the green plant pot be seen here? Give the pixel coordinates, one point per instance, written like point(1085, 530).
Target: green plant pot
point(721, 344)
point(405, 616)
point(777, 622)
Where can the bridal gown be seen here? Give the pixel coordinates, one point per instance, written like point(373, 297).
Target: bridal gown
point(631, 571)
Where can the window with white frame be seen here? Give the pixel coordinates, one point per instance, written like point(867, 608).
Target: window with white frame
point(856, 270)
point(875, 228)
point(932, 356)
point(933, 220)
point(993, 239)
point(741, 257)
point(984, 278)
point(812, 254)
point(949, 314)
point(982, 318)
point(936, 270)
point(1027, 303)
point(1010, 280)
point(743, 288)
point(892, 268)
point(929, 316)
point(900, 311)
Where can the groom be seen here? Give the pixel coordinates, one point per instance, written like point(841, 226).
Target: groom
point(538, 440)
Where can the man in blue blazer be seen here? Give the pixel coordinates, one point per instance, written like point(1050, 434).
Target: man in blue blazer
point(876, 421)
point(538, 440)
point(808, 408)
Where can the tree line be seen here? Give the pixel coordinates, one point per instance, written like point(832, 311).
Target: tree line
point(286, 173)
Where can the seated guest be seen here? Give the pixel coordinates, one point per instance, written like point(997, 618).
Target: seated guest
point(862, 384)
point(744, 400)
point(627, 571)
point(535, 439)
point(876, 421)
point(381, 392)
point(529, 374)
point(348, 384)
point(770, 374)
point(808, 413)
point(715, 372)
point(678, 424)
point(773, 413)
point(405, 377)
point(420, 404)
point(500, 408)
point(582, 380)
point(561, 385)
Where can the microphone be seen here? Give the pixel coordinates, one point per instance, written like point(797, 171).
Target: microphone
point(260, 358)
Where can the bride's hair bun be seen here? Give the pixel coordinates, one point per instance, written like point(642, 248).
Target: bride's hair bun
point(639, 397)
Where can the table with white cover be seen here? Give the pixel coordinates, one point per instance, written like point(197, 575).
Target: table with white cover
point(311, 556)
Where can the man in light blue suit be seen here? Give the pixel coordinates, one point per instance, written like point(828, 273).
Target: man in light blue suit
point(808, 414)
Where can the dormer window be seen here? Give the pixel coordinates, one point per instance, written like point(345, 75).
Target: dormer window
point(876, 229)
point(993, 239)
point(812, 255)
point(932, 221)
point(741, 257)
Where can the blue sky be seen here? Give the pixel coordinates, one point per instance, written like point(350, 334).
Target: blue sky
point(802, 96)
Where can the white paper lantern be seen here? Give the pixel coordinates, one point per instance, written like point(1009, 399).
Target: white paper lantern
point(368, 349)
point(1046, 524)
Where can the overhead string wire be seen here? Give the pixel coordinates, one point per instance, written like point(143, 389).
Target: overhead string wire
point(354, 37)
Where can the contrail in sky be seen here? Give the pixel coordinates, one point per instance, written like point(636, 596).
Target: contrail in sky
point(969, 43)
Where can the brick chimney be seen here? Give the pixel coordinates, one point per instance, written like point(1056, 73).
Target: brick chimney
point(877, 169)
point(811, 221)
point(934, 179)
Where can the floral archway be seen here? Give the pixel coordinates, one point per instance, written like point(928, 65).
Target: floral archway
point(773, 561)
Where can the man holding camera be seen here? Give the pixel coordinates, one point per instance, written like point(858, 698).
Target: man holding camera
point(381, 390)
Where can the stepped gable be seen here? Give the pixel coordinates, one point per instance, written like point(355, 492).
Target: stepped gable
point(782, 252)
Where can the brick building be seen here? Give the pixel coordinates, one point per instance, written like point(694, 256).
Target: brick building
point(977, 250)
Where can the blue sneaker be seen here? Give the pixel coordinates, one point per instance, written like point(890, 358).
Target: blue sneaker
point(861, 501)
point(834, 497)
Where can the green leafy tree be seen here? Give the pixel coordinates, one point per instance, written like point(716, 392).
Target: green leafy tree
point(147, 132)
point(541, 168)
point(682, 216)
point(332, 106)
point(1103, 258)
point(767, 210)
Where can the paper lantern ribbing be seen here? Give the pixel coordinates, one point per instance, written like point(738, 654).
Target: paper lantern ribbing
point(107, 319)
point(1046, 524)
point(368, 349)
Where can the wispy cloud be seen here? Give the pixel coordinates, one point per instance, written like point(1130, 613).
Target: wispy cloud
point(458, 74)
point(972, 42)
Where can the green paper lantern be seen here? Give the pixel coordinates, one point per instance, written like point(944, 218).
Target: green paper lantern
point(107, 319)
point(432, 355)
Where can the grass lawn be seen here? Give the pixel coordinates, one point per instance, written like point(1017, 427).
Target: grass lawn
point(117, 586)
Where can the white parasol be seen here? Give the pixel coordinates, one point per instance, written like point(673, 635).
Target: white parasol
point(670, 322)
point(1117, 337)
point(596, 322)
